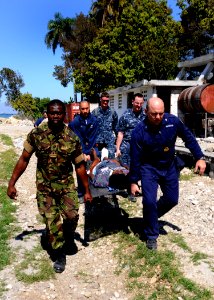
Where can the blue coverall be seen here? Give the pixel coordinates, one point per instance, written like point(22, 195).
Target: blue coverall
point(87, 130)
point(153, 162)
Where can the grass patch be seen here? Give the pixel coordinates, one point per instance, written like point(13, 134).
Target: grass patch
point(198, 256)
point(154, 274)
point(2, 287)
point(7, 208)
point(186, 177)
point(6, 217)
point(179, 241)
point(34, 267)
point(8, 159)
point(6, 140)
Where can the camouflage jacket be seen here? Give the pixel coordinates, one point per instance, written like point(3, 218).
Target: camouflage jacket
point(55, 153)
point(128, 122)
point(107, 123)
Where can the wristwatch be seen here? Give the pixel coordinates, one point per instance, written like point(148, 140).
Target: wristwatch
point(202, 158)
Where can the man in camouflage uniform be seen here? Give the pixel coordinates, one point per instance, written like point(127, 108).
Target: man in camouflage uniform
point(127, 122)
point(56, 148)
point(107, 123)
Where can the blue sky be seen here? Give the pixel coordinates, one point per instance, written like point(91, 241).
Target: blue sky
point(23, 26)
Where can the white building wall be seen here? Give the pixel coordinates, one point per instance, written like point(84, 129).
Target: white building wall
point(174, 102)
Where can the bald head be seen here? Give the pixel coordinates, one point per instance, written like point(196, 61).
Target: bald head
point(155, 103)
point(155, 110)
point(84, 107)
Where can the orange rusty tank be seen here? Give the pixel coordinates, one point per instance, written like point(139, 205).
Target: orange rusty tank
point(197, 99)
point(72, 109)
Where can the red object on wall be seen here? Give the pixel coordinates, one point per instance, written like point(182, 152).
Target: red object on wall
point(72, 109)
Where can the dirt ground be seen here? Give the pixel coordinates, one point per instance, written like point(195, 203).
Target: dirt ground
point(90, 274)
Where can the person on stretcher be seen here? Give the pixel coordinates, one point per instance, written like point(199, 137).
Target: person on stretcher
point(108, 173)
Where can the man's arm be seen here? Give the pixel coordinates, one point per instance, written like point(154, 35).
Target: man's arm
point(81, 173)
point(118, 142)
point(17, 172)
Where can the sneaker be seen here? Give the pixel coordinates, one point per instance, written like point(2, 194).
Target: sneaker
point(132, 198)
point(151, 244)
point(59, 264)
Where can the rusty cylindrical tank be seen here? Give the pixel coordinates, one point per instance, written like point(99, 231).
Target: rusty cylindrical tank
point(197, 99)
point(71, 110)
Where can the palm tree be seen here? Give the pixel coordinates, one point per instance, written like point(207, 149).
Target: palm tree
point(60, 32)
point(104, 10)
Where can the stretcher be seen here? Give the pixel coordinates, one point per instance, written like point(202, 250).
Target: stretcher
point(103, 216)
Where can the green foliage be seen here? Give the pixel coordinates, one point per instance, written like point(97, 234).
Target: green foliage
point(25, 105)
point(197, 20)
point(10, 84)
point(28, 106)
point(142, 45)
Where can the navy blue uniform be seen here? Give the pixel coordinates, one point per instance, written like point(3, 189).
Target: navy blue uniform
point(107, 122)
point(38, 121)
point(127, 122)
point(153, 162)
point(87, 130)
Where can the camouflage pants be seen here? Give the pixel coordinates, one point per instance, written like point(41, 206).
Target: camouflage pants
point(111, 149)
point(125, 153)
point(58, 207)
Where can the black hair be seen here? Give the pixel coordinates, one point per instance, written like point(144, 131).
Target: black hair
point(104, 94)
point(137, 95)
point(119, 181)
point(56, 102)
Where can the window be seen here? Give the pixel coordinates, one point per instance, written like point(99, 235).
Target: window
point(111, 102)
point(120, 101)
point(145, 95)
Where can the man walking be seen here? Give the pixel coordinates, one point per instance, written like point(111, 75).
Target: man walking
point(153, 162)
point(127, 122)
point(107, 123)
point(56, 148)
point(85, 126)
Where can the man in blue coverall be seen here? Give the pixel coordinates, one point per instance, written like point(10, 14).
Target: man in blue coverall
point(153, 162)
point(107, 123)
point(85, 126)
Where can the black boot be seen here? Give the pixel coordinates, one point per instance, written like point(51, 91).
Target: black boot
point(59, 264)
point(68, 231)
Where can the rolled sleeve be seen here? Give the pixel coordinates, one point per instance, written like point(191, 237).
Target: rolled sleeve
point(28, 147)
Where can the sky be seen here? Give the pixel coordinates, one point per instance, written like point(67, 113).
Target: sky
point(23, 26)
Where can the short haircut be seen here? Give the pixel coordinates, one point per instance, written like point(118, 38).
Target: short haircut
point(56, 102)
point(119, 181)
point(137, 95)
point(104, 94)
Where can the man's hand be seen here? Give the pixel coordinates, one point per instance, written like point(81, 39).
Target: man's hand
point(12, 192)
point(88, 197)
point(135, 189)
point(118, 153)
point(200, 167)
